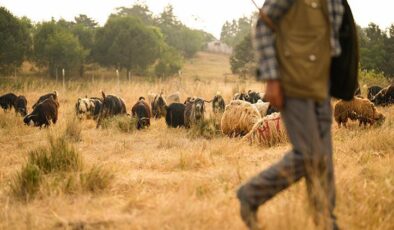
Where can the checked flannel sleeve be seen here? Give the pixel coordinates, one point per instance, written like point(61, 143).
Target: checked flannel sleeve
point(265, 39)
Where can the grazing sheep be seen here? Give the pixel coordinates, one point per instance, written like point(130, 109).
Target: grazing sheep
point(250, 96)
point(385, 96)
point(194, 112)
point(267, 131)
point(173, 98)
point(356, 109)
point(241, 96)
point(175, 115)
point(218, 104)
point(372, 91)
point(239, 118)
point(88, 107)
point(189, 99)
point(21, 105)
point(159, 106)
point(7, 101)
point(142, 112)
point(54, 95)
point(271, 110)
point(43, 113)
point(254, 97)
point(10, 100)
point(262, 107)
point(112, 106)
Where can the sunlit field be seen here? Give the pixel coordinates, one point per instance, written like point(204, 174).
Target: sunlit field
point(161, 178)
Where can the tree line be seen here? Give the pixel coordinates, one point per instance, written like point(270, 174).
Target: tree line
point(132, 39)
point(376, 47)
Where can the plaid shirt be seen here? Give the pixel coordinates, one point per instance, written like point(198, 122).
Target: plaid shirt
point(265, 38)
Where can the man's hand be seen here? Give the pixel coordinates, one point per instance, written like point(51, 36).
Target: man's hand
point(274, 94)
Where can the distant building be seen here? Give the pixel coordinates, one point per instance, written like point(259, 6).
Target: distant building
point(219, 47)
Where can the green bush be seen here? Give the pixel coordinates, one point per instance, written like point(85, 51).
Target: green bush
point(208, 129)
point(59, 157)
point(55, 169)
point(370, 78)
point(27, 182)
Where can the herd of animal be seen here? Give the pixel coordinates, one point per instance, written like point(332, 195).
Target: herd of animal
point(245, 110)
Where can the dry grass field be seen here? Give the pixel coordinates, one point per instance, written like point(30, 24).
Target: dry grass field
point(162, 178)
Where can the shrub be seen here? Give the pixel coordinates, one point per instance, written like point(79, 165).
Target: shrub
point(122, 123)
point(59, 167)
point(372, 78)
point(27, 182)
point(208, 128)
point(59, 157)
point(96, 179)
point(73, 130)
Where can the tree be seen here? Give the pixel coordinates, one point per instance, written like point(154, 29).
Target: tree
point(84, 28)
point(15, 41)
point(138, 10)
point(372, 52)
point(124, 42)
point(56, 47)
point(242, 60)
point(177, 35)
point(234, 32)
point(85, 21)
point(170, 62)
point(388, 67)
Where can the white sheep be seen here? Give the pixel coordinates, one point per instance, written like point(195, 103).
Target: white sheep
point(262, 107)
point(268, 131)
point(239, 118)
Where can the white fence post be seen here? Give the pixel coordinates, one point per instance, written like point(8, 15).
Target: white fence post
point(117, 75)
point(56, 74)
point(64, 78)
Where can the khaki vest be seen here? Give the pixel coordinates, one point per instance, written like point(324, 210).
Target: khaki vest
point(304, 51)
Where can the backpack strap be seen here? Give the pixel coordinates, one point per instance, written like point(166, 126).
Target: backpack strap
point(267, 20)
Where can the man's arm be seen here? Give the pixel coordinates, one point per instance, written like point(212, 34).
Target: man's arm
point(265, 38)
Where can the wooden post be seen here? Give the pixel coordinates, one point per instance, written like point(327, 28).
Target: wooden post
point(64, 78)
point(129, 76)
point(117, 75)
point(56, 74)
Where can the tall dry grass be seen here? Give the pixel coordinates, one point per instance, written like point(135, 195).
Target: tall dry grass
point(175, 178)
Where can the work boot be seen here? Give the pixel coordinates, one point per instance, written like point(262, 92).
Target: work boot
point(247, 211)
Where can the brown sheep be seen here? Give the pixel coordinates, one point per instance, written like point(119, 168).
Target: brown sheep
point(54, 95)
point(357, 109)
point(141, 111)
point(43, 113)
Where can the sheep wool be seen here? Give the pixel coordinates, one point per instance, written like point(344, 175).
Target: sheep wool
point(239, 118)
point(268, 131)
point(359, 109)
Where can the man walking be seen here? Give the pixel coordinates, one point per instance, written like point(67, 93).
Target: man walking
point(297, 40)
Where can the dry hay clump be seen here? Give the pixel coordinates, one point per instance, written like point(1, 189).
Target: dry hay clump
point(73, 131)
point(268, 131)
point(55, 169)
point(239, 118)
point(122, 123)
point(208, 129)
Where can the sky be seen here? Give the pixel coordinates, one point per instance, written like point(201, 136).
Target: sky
point(208, 15)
